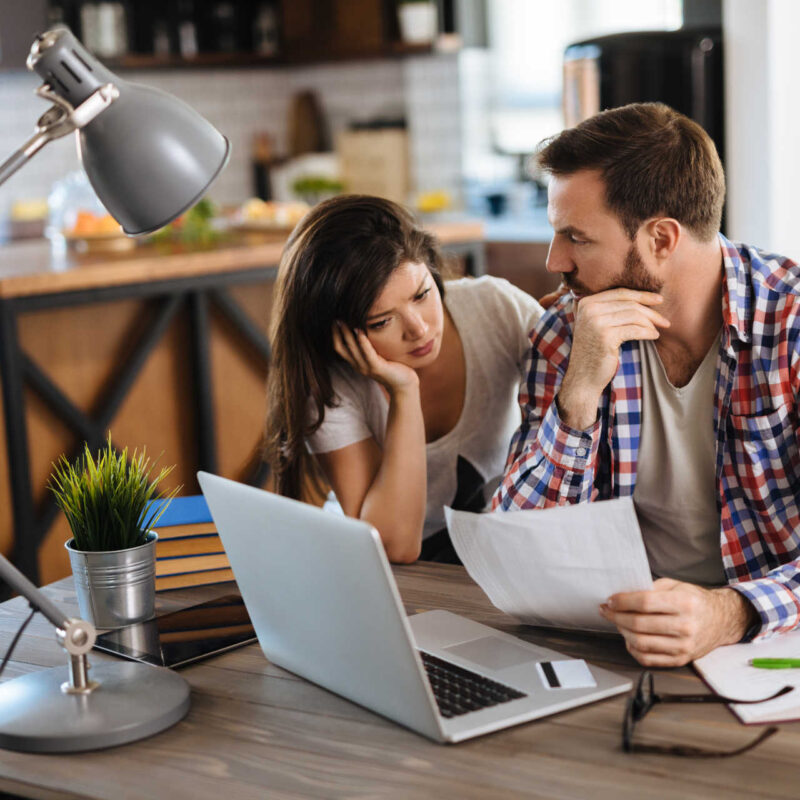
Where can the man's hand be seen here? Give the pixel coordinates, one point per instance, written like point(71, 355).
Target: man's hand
point(676, 622)
point(603, 321)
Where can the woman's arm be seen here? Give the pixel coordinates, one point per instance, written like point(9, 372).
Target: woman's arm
point(386, 487)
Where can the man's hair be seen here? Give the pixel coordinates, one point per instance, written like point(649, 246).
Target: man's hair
point(654, 161)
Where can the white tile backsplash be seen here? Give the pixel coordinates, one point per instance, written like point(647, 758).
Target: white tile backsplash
point(433, 110)
point(242, 102)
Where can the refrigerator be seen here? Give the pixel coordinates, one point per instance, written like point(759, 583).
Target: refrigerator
point(682, 68)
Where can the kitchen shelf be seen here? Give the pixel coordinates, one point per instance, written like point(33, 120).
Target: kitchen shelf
point(214, 60)
point(202, 60)
point(307, 32)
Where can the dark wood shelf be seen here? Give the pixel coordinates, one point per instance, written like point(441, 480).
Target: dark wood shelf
point(151, 61)
point(306, 32)
point(206, 60)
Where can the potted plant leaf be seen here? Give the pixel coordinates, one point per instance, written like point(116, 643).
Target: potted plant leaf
point(107, 502)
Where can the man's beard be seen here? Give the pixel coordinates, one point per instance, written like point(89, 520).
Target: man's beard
point(634, 275)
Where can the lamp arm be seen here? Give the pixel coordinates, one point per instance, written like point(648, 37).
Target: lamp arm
point(38, 600)
point(10, 166)
point(76, 636)
point(21, 157)
point(59, 120)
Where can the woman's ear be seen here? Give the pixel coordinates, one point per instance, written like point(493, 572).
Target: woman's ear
point(664, 234)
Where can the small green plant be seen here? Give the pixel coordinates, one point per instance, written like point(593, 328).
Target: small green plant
point(105, 499)
point(313, 188)
point(195, 226)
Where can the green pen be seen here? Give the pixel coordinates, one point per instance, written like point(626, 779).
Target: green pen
point(775, 663)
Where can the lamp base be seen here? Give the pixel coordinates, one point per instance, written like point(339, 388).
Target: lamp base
point(133, 701)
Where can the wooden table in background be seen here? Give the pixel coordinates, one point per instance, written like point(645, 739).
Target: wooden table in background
point(257, 731)
point(165, 347)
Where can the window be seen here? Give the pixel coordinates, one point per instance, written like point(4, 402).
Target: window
point(511, 94)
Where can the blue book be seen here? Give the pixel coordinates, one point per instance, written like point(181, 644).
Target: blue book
point(182, 511)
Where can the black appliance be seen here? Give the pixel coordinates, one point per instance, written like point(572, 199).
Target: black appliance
point(682, 68)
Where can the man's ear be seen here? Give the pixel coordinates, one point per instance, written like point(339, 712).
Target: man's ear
point(664, 234)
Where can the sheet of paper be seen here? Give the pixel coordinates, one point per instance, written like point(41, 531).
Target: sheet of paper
point(727, 670)
point(554, 566)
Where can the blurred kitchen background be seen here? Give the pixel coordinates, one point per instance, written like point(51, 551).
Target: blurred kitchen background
point(435, 103)
point(446, 120)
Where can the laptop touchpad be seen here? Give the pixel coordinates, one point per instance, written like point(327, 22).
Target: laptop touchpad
point(491, 652)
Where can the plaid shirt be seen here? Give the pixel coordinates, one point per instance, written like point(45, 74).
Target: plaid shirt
point(755, 425)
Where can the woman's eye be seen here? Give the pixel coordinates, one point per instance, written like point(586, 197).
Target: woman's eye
point(423, 294)
point(376, 326)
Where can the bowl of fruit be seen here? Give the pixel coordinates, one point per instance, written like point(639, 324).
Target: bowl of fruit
point(92, 232)
point(256, 215)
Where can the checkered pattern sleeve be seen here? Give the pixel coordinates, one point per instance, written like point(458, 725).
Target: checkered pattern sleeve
point(776, 598)
point(775, 594)
point(764, 499)
point(549, 463)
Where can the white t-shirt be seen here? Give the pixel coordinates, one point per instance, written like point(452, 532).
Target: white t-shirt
point(676, 480)
point(493, 319)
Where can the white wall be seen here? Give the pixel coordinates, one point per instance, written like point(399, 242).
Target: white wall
point(241, 102)
point(762, 126)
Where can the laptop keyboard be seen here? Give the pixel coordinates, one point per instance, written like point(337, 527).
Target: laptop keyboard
point(459, 691)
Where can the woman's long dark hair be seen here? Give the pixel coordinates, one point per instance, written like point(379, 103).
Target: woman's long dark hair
point(334, 266)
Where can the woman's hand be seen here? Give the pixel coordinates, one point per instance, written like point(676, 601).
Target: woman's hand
point(357, 350)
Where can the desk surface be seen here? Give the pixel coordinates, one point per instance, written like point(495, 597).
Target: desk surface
point(256, 731)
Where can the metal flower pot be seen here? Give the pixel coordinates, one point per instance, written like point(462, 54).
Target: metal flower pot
point(115, 587)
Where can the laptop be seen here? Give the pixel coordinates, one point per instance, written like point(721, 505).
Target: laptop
point(325, 606)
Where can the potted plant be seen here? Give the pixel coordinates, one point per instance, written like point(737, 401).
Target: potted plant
point(418, 21)
point(108, 504)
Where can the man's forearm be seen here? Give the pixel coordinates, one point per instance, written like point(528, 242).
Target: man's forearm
point(737, 614)
point(577, 406)
point(550, 465)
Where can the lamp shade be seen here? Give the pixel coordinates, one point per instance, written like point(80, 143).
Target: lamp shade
point(149, 156)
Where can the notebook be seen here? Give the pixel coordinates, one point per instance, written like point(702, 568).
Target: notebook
point(325, 606)
point(727, 671)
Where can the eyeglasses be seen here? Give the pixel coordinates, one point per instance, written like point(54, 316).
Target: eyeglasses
point(640, 703)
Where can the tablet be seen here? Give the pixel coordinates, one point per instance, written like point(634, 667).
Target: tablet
point(181, 637)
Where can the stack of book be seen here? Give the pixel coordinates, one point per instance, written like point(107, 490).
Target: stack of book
point(189, 551)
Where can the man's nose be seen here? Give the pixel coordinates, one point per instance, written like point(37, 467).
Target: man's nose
point(558, 259)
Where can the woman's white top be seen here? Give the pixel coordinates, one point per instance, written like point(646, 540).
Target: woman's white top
point(493, 319)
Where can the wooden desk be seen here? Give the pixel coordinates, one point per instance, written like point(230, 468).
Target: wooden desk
point(167, 349)
point(256, 731)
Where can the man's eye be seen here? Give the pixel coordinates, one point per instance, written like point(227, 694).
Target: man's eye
point(575, 240)
point(376, 326)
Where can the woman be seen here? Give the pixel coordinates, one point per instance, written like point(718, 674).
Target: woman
point(403, 395)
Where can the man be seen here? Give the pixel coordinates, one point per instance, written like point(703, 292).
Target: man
point(670, 372)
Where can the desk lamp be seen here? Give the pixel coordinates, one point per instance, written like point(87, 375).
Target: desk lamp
point(123, 701)
point(149, 158)
point(148, 155)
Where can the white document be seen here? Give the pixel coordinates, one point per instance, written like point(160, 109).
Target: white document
point(554, 566)
point(727, 671)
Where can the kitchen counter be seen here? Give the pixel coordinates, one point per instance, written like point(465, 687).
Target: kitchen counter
point(31, 268)
point(166, 348)
point(531, 226)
